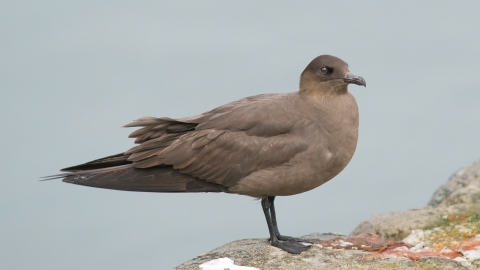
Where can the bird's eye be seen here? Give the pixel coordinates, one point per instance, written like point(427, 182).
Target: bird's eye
point(324, 70)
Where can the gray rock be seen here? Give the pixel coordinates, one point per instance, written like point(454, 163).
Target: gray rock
point(460, 196)
point(398, 225)
point(260, 254)
point(467, 177)
point(321, 236)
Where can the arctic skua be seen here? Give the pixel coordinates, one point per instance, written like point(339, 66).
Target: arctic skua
point(261, 146)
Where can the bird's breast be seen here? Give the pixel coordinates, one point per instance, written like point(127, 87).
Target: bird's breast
point(333, 138)
point(331, 134)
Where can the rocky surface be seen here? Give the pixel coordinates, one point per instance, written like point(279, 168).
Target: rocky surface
point(458, 198)
point(258, 253)
point(398, 225)
point(462, 187)
point(445, 234)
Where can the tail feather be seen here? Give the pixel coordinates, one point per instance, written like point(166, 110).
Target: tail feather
point(156, 179)
point(106, 162)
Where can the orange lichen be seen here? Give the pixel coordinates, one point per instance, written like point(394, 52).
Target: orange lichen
point(455, 231)
point(458, 238)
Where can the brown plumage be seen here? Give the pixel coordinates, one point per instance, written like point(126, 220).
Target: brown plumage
point(261, 146)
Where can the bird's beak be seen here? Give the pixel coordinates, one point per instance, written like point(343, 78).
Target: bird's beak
point(352, 78)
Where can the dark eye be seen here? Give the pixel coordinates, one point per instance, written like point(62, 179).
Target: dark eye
point(324, 70)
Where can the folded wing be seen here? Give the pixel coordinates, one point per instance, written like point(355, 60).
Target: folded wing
point(225, 145)
point(220, 146)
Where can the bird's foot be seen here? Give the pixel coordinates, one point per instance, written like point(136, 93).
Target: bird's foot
point(288, 238)
point(291, 247)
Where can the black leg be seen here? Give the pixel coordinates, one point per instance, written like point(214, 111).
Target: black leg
point(271, 229)
point(271, 199)
point(289, 246)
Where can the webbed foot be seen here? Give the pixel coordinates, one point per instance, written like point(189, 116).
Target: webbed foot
point(291, 247)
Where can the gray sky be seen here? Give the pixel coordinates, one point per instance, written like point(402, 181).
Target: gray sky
point(73, 73)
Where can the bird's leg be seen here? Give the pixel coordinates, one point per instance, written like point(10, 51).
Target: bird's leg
point(289, 246)
point(271, 199)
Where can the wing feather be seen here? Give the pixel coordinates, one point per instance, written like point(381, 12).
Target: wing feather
point(223, 145)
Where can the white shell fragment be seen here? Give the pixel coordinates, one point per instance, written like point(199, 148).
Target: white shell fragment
point(223, 263)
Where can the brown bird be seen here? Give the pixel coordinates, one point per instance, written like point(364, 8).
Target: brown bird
point(261, 146)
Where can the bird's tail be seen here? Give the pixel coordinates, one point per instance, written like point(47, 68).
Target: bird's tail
point(125, 177)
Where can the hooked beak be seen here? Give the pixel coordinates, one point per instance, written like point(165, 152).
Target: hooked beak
point(352, 78)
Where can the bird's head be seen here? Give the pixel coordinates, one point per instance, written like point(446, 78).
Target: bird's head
point(328, 75)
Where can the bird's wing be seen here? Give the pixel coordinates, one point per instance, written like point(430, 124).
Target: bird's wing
point(223, 145)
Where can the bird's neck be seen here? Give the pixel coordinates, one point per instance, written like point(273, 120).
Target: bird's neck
point(315, 93)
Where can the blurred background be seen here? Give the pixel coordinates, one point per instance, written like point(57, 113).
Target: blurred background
point(72, 73)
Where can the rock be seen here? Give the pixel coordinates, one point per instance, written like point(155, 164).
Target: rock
point(457, 239)
point(467, 177)
point(459, 197)
point(260, 254)
point(398, 225)
point(445, 234)
point(224, 263)
point(449, 225)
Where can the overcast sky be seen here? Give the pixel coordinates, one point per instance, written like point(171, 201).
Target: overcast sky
point(73, 72)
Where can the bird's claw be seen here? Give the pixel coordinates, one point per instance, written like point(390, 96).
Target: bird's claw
point(291, 247)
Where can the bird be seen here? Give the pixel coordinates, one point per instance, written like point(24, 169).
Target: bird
point(261, 146)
